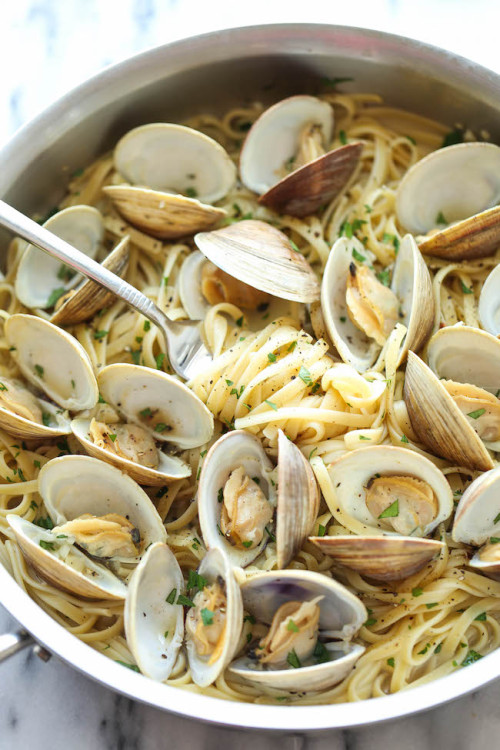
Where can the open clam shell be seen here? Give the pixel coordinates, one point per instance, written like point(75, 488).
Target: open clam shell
point(298, 500)
point(274, 138)
point(261, 256)
point(39, 348)
point(341, 616)
point(380, 558)
point(237, 448)
point(352, 473)
point(410, 283)
point(160, 404)
point(454, 182)
point(435, 417)
point(154, 626)
point(314, 185)
point(175, 158)
point(72, 486)
point(163, 215)
point(89, 298)
point(63, 564)
point(475, 237)
point(39, 275)
point(216, 568)
point(489, 303)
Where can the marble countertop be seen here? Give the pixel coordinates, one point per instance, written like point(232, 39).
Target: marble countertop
point(48, 46)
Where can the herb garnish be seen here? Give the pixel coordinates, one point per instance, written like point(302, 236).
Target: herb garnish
point(476, 414)
point(207, 616)
point(391, 511)
point(55, 295)
point(293, 660)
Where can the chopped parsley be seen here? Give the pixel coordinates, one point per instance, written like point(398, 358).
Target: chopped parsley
point(440, 218)
point(181, 599)
point(159, 360)
point(65, 273)
point(471, 657)
point(357, 256)
point(392, 511)
point(49, 546)
point(239, 322)
point(207, 616)
point(161, 427)
point(112, 436)
point(220, 495)
point(292, 627)
point(321, 530)
point(171, 597)
point(99, 335)
point(294, 246)
point(136, 356)
point(363, 437)
point(46, 418)
point(384, 277)
point(292, 346)
point(466, 289)
point(370, 621)
point(453, 137)
point(101, 400)
point(438, 648)
point(191, 192)
point(494, 539)
point(3, 387)
point(146, 412)
point(391, 238)
point(417, 591)
point(270, 535)
point(129, 666)
point(331, 83)
point(293, 660)
point(271, 357)
point(320, 653)
point(496, 519)
point(39, 371)
point(305, 375)
point(391, 662)
point(147, 325)
point(476, 414)
point(481, 617)
point(55, 295)
point(271, 404)
point(247, 544)
point(342, 137)
point(404, 439)
point(430, 605)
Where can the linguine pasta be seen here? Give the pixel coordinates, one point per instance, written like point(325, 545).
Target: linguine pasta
point(277, 375)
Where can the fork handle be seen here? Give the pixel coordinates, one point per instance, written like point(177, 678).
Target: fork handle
point(29, 230)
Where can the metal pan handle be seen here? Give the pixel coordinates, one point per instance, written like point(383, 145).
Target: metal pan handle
point(11, 643)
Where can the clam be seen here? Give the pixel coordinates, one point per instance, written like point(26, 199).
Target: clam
point(312, 619)
point(452, 403)
point(237, 496)
point(449, 185)
point(61, 563)
point(489, 303)
point(144, 407)
point(154, 621)
point(284, 160)
point(389, 490)
point(54, 364)
point(474, 237)
point(261, 256)
point(477, 522)
point(40, 278)
point(214, 622)
point(160, 214)
point(82, 303)
point(99, 508)
point(176, 159)
point(360, 312)
point(380, 558)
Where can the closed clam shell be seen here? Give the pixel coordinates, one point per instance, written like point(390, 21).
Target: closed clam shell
point(163, 215)
point(341, 616)
point(168, 157)
point(89, 298)
point(78, 573)
point(298, 500)
point(237, 448)
point(214, 567)
point(489, 303)
point(154, 627)
point(380, 558)
point(39, 274)
point(351, 473)
point(261, 256)
point(72, 486)
point(274, 138)
point(456, 182)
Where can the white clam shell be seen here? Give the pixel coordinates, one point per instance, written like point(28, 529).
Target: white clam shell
point(37, 274)
point(168, 157)
point(411, 284)
point(237, 448)
point(466, 355)
point(97, 582)
point(155, 628)
point(479, 507)
point(216, 565)
point(341, 616)
point(351, 473)
point(74, 485)
point(274, 138)
point(457, 181)
point(489, 303)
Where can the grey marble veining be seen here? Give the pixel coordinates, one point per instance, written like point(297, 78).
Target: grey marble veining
point(47, 47)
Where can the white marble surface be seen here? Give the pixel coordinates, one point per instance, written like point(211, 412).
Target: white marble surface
point(48, 46)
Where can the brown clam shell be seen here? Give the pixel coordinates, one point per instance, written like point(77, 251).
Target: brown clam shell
point(475, 237)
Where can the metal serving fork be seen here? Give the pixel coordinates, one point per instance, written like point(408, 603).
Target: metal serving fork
point(187, 353)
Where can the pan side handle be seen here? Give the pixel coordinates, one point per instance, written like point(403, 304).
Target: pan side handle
point(11, 643)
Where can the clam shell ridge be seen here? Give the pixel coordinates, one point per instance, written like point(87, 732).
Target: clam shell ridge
point(154, 627)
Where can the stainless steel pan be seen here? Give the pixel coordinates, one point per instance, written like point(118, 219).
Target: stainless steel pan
point(212, 72)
